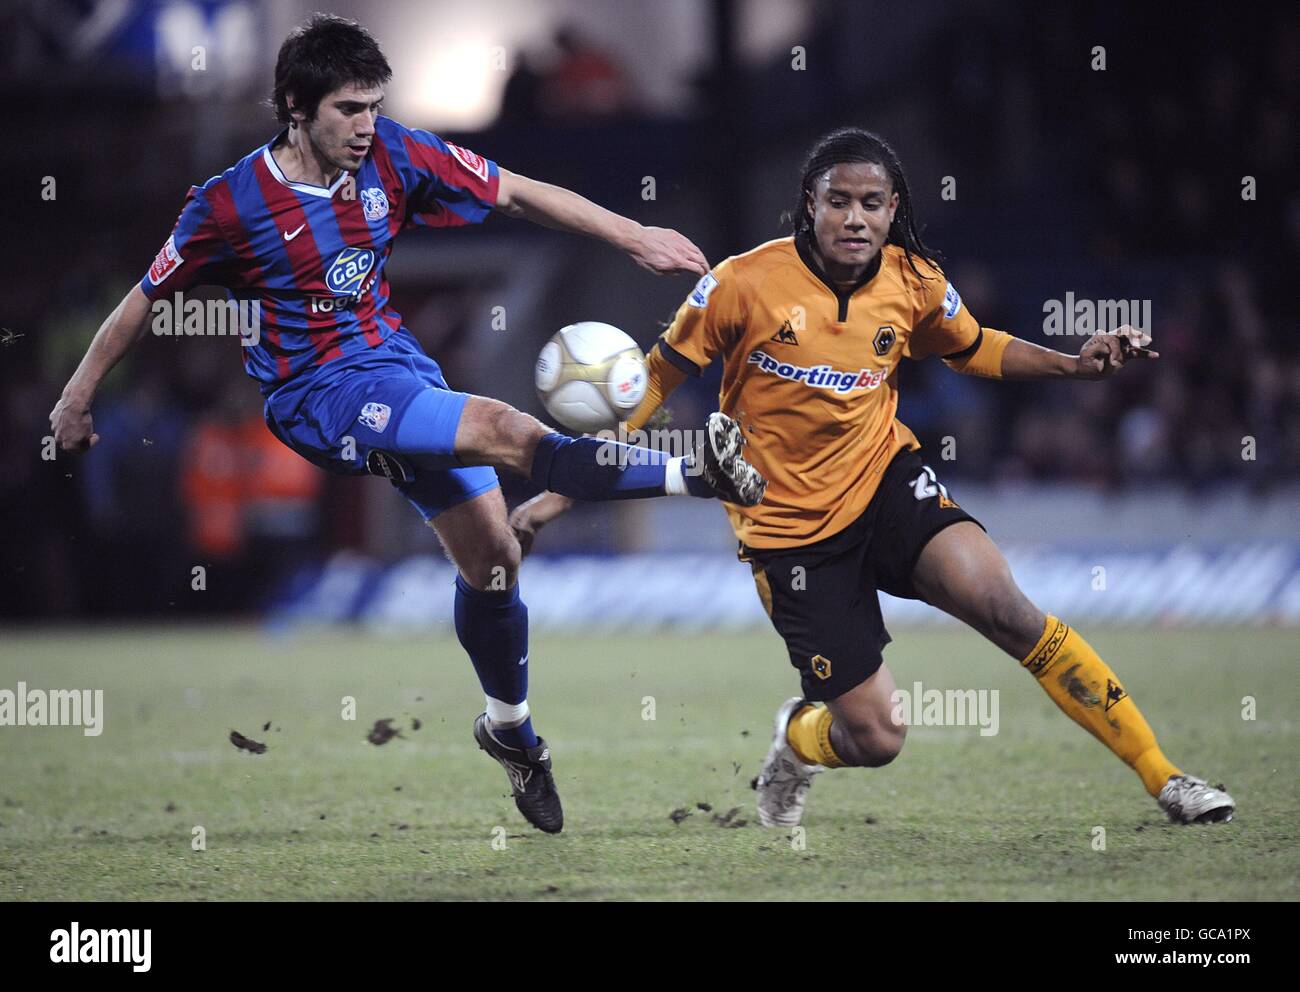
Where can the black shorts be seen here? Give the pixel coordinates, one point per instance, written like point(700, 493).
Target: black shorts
point(822, 597)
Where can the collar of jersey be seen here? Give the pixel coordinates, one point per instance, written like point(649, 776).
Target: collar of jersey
point(803, 245)
point(310, 189)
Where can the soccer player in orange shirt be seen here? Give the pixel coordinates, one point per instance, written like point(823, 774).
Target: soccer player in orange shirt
point(811, 330)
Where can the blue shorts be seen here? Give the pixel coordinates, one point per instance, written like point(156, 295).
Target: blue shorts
point(346, 417)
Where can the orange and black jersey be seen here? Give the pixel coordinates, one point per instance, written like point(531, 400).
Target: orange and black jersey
point(810, 372)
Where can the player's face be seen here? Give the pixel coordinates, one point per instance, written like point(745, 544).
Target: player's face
point(344, 126)
point(852, 206)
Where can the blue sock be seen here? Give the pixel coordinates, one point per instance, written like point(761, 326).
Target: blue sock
point(592, 469)
point(493, 630)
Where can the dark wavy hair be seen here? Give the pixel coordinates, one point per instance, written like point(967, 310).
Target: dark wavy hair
point(320, 56)
point(854, 144)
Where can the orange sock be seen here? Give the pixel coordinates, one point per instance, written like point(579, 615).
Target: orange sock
point(809, 734)
point(1082, 685)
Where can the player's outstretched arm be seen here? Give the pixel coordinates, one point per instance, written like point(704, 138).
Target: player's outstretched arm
point(661, 250)
point(1102, 355)
point(70, 419)
point(1002, 356)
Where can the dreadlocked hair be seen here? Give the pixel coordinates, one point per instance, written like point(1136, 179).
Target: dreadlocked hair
point(854, 144)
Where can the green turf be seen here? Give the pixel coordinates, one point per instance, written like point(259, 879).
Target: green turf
point(326, 815)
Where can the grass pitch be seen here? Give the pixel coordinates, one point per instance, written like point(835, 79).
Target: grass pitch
point(324, 814)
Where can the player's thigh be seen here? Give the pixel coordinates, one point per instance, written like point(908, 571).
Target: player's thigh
point(444, 428)
point(495, 433)
point(961, 571)
point(832, 627)
point(378, 420)
point(478, 537)
point(925, 546)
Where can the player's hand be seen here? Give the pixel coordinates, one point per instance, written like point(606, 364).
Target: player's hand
point(72, 426)
point(1105, 353)
point(660, 419)
point(528, 518)
point(525, 530)
point(665, 252)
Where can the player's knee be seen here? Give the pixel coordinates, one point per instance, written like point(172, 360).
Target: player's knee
point(885, 745)
point(495, 433)
point(492, 564)
point(513, 431)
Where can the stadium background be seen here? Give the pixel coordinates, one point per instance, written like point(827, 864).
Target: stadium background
point(1123, 183)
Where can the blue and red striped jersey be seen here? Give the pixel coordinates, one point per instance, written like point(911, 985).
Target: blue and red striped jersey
point(313, 257)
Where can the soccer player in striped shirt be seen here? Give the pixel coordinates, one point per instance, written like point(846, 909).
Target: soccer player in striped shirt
point(303, 226)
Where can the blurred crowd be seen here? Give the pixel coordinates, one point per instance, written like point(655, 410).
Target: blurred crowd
point(1186, 190)
point(1185, 194)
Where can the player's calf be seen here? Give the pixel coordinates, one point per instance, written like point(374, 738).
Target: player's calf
point(493, 433)
point(962, 572)
point(870, 745)
point(863, 731)
point(479, 540)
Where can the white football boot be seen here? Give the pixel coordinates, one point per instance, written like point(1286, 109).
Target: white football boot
point(720, 467)
point(1193, 800)
point(783, 781)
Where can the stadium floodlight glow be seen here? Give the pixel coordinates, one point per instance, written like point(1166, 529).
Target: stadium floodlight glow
point(457, 87)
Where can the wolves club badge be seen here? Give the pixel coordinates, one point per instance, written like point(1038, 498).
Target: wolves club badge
point(374, 203)
point(821, 667)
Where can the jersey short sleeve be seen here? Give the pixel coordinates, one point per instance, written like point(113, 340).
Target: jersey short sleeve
point(446, 185)
point(710, 319)
point(193, 254)
point(943, 325)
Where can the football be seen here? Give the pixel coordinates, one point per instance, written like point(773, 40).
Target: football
point(590, 376)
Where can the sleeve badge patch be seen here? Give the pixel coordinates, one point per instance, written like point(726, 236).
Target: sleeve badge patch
point(699, 298)
point(472, 163)
point(951, 302)
point(167, 262)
